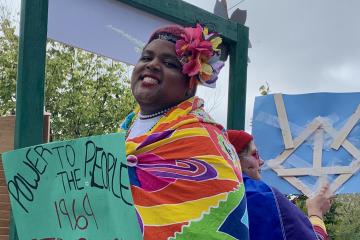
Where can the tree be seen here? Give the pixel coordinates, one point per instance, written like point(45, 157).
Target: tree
point(342, 219)
point(86, 94)
point(347, 225)
point(331, 218)
point(8, 63)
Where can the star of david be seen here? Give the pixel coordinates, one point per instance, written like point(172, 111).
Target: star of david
point(319, 126)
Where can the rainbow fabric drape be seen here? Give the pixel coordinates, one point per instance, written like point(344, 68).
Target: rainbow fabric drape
point(185, 184)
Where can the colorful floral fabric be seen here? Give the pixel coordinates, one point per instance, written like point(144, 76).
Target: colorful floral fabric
point(184, 181)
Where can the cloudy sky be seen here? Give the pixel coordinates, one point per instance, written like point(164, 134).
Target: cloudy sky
point(297, 47)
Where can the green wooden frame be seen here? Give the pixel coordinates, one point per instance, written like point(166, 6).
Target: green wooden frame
point(32, 52)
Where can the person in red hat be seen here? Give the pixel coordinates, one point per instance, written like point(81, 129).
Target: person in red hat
point(249, 157)
point(271, 215)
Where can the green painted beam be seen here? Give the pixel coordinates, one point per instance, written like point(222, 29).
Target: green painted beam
point(30, 78)
point(237, 82)
point(183, 13)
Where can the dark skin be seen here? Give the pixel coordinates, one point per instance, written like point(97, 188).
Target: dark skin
point(157, 81)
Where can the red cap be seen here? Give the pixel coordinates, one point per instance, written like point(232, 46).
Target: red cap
point(239, 139)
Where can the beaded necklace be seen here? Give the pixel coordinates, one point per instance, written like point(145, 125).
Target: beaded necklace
point(162, 112)
point(130, 121)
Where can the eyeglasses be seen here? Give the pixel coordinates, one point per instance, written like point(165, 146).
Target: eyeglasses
point(256, 155)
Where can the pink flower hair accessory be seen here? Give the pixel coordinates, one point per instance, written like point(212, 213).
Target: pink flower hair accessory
point(199, 53)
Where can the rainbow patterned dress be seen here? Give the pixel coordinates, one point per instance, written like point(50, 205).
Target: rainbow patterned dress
point(185, 181)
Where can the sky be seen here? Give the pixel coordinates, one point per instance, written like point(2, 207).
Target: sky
point(297, 47)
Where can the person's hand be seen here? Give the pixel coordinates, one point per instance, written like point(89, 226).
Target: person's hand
point(320, 203)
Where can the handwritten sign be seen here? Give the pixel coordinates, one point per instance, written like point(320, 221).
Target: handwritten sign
point(76, 189)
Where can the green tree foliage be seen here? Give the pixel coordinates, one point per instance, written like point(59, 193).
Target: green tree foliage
point(347, 213)
point(342, 219)
point(8, 63)
point(331, 218)
point(86, 94)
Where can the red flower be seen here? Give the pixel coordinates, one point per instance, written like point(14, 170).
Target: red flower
point(194, 50)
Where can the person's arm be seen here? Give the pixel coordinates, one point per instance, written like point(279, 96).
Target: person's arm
point(317, 207)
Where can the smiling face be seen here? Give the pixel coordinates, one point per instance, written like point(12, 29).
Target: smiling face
point(157, 81)
point(250, 161)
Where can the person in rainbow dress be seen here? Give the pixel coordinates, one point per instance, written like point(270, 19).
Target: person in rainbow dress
point(184, 180)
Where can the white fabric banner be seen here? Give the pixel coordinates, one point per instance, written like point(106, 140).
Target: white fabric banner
point(105, 27)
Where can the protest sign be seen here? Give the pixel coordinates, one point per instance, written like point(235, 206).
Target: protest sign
point(77, 189)
point(309, 138)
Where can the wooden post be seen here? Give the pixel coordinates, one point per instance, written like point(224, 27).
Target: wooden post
point(237, 82)
point(30, 78)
